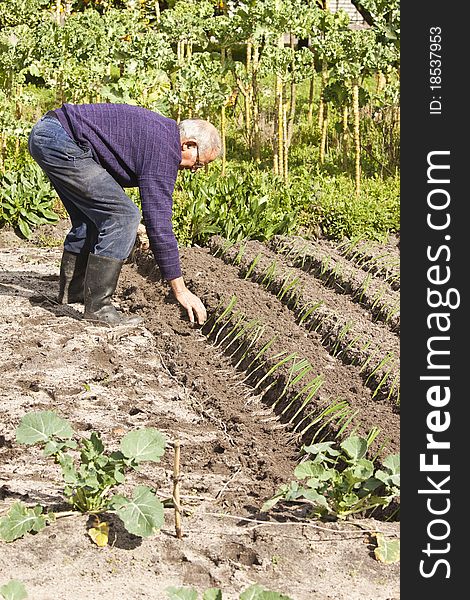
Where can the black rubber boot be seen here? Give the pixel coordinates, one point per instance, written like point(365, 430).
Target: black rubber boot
point(72, 277)
point(101, 279)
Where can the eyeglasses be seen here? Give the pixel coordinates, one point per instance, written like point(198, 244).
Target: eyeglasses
point(198, 164)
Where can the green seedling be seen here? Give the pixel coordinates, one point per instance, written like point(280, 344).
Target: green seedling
point(302, 368)
point(225, 248)
point(341, 481)
point(233, 331)
point(90, 476)
point(339, 339)
point(382, 382)
point(308, 310)
point(312, 387)
point(364, 287)
point(225, 312)
point(254, 592)
point(253, 338)
point(269, 275)
point(276, 366)
point(288, 286)
point(252, 266)
point(381, 365)
point(333, 412)
point(256, 362)
point(241, 251)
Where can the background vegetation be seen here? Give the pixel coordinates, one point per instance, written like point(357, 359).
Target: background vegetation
point(308, 106)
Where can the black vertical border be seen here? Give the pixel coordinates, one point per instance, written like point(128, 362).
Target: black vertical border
point(421, 133)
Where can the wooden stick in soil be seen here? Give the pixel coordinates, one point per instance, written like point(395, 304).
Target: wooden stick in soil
point(176, 490)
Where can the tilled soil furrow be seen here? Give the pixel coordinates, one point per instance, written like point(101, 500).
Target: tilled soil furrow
point(272, 327)
point(337, 272)
point(346, 329)
point(372, 257)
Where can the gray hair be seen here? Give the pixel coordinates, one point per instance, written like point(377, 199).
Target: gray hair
point(204, 133)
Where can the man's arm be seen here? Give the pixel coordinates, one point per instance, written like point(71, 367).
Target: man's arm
point(156, 194)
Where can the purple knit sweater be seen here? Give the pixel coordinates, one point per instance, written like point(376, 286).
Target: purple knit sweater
point(138, 147)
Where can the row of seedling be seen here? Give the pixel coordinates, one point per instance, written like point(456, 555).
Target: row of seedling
point(335, 272)
point(343, 338)
point(285, 381)
point(371, 257)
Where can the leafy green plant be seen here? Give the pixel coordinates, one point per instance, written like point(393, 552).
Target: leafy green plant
point(13, 590)
point(254, 592)
point(91, 477)
point(26, 199)
point(245, 204)
point(341, 482)
point(387, 551)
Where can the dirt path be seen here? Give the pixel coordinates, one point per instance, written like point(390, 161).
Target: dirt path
point(236, 450)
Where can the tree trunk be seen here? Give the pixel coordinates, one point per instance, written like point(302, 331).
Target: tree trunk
point(286, 144)
point(256, 115)
point(324, 133)
point(249, 93)
point(279, 128)
point(58, 10)
point(2, 145)
point(321, 108)
point(345, 139)
point(380, 82)
point(311, 95)
point(357, 138)
point(292, 105)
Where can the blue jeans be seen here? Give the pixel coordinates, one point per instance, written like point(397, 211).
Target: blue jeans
point(104, 219)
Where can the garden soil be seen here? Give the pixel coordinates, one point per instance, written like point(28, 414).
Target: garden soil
point(236, 449)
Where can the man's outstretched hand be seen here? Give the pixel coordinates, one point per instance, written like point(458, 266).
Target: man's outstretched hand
point(189, 301)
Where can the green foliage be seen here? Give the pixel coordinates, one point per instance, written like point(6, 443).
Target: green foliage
point(13, 590)
point(254, 204)
point(246, 203)
point(329, 204)
point(21, 520)
point(387, 551)
point(89, 482)
point(17, 12)
point(254, 592)
point(26, 199)
point(341, 482)
point(142, 514)
point(101, 51)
